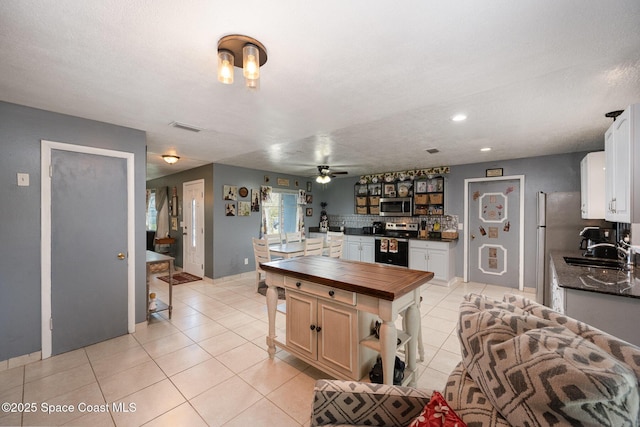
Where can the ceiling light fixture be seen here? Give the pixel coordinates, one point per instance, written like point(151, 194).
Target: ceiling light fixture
point(459, 117)
point(323, 179)
point(253, 53)
point(485, 149)
point(170, 158)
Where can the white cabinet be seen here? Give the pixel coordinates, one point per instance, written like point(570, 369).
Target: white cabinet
point(359, 248)
point(324, 326)
point(434, 256)
point(592, 185)
point(622, 159)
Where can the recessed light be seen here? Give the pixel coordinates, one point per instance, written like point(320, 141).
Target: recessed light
point(485, 149)
point(459, 117)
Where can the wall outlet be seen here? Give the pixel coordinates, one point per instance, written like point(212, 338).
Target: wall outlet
point(246, 261)
point(460, 226)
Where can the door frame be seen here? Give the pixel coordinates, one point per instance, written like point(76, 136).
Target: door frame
point(467, 182)
point(45, 231)
point(184, 229)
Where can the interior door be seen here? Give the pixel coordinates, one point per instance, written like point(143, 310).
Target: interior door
point(89, 248)
point(493, 232)
point(193, 235)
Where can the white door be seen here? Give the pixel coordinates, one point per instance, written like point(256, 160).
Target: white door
point(494, 234)
point(88, 259)
point(193, 230)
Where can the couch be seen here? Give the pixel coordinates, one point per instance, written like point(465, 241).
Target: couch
point(521, 364)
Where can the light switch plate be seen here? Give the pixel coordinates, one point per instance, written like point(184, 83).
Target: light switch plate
point(23, 179)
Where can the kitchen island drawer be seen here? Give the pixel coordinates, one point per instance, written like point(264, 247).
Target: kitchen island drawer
point(321, 291)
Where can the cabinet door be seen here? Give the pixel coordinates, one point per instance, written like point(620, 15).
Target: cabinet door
point(367, 253)
point(352, 251)
point(437, 262)
point(338, 337)
point(301, 315)
point(418, 259)
point(618, 171)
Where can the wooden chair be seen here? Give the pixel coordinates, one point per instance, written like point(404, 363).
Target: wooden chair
point(313, 246)
point(274, 238)
point(294, 237)
point(261, 254)
point(335, 248)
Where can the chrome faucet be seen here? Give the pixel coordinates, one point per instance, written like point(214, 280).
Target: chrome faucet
point(628, 253)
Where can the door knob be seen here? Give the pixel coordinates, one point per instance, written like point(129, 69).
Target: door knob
point(121, 255)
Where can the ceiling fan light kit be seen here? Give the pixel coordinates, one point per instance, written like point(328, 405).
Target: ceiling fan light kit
point(253, 53)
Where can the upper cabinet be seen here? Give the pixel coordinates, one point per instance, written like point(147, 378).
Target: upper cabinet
point(622, 161)
point(592, 185)
point(368, 198)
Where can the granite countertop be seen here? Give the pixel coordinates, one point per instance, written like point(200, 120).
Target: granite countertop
point(359, 232)
point(591, 279)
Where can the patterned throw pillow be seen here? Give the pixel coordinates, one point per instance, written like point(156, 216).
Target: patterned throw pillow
point(437, 413)
point(536, 372)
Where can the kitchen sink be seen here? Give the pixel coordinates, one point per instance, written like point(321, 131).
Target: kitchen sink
point(594, 262)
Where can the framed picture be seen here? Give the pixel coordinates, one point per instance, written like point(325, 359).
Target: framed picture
point(309, 186)
point(266, 179)
point(230, 192)
point(493, 172)
point(421, 186)
point(244, 208)
point(243, 192)
point(389, 190)
point(296, 183)
point(283, 182)
point(230, 209)
point(255, 200)
point(309, 199)
point(309, 211)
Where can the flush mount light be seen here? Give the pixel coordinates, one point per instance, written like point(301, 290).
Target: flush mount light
point(170, 158)
point(459, 117)
point(485, 149)
point(253, 53)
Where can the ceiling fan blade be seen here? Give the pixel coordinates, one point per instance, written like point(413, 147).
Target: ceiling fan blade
point(339, 173)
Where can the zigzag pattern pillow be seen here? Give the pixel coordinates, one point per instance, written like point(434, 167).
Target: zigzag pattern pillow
point(355, 403)
point(538, 373)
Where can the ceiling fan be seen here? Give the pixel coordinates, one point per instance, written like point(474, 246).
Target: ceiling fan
point(325, 174)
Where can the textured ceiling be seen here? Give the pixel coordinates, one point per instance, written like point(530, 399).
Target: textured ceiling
point(363, 85)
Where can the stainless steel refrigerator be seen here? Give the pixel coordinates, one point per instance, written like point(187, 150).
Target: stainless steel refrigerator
point(559, 223)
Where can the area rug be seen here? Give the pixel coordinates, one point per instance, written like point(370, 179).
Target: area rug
point(180, 278)
point(262, 290)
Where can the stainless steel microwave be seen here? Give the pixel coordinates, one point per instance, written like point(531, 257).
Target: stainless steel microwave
point(397, 206)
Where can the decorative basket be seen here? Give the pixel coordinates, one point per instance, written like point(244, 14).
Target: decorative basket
point(449, 234)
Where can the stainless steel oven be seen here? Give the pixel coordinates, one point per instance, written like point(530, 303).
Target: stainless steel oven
point(397, 206)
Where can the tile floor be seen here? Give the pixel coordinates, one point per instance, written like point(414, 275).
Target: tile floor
point(207, 366)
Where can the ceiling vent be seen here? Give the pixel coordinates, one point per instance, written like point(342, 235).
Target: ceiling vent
point(432, 150)
point(185, 126)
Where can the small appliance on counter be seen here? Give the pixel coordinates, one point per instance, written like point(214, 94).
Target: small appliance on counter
point(594, 236)
point(378, 227)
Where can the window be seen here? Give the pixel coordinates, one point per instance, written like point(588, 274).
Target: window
point(282, 213)
point(152, 214)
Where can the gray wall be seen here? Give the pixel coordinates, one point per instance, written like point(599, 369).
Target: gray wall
point(232, 235)
point(176, 180)
point(547, 173)
point(21, 129)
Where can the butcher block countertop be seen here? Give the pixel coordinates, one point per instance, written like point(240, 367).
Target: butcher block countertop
point(377, 280)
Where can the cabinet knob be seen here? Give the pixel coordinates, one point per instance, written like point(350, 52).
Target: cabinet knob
point(318, 329)
point(312, 327)
point(298, 284)
point(331, 293)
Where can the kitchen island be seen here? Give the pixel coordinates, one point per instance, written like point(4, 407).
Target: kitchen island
point(604, 298)
point(331, 308)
